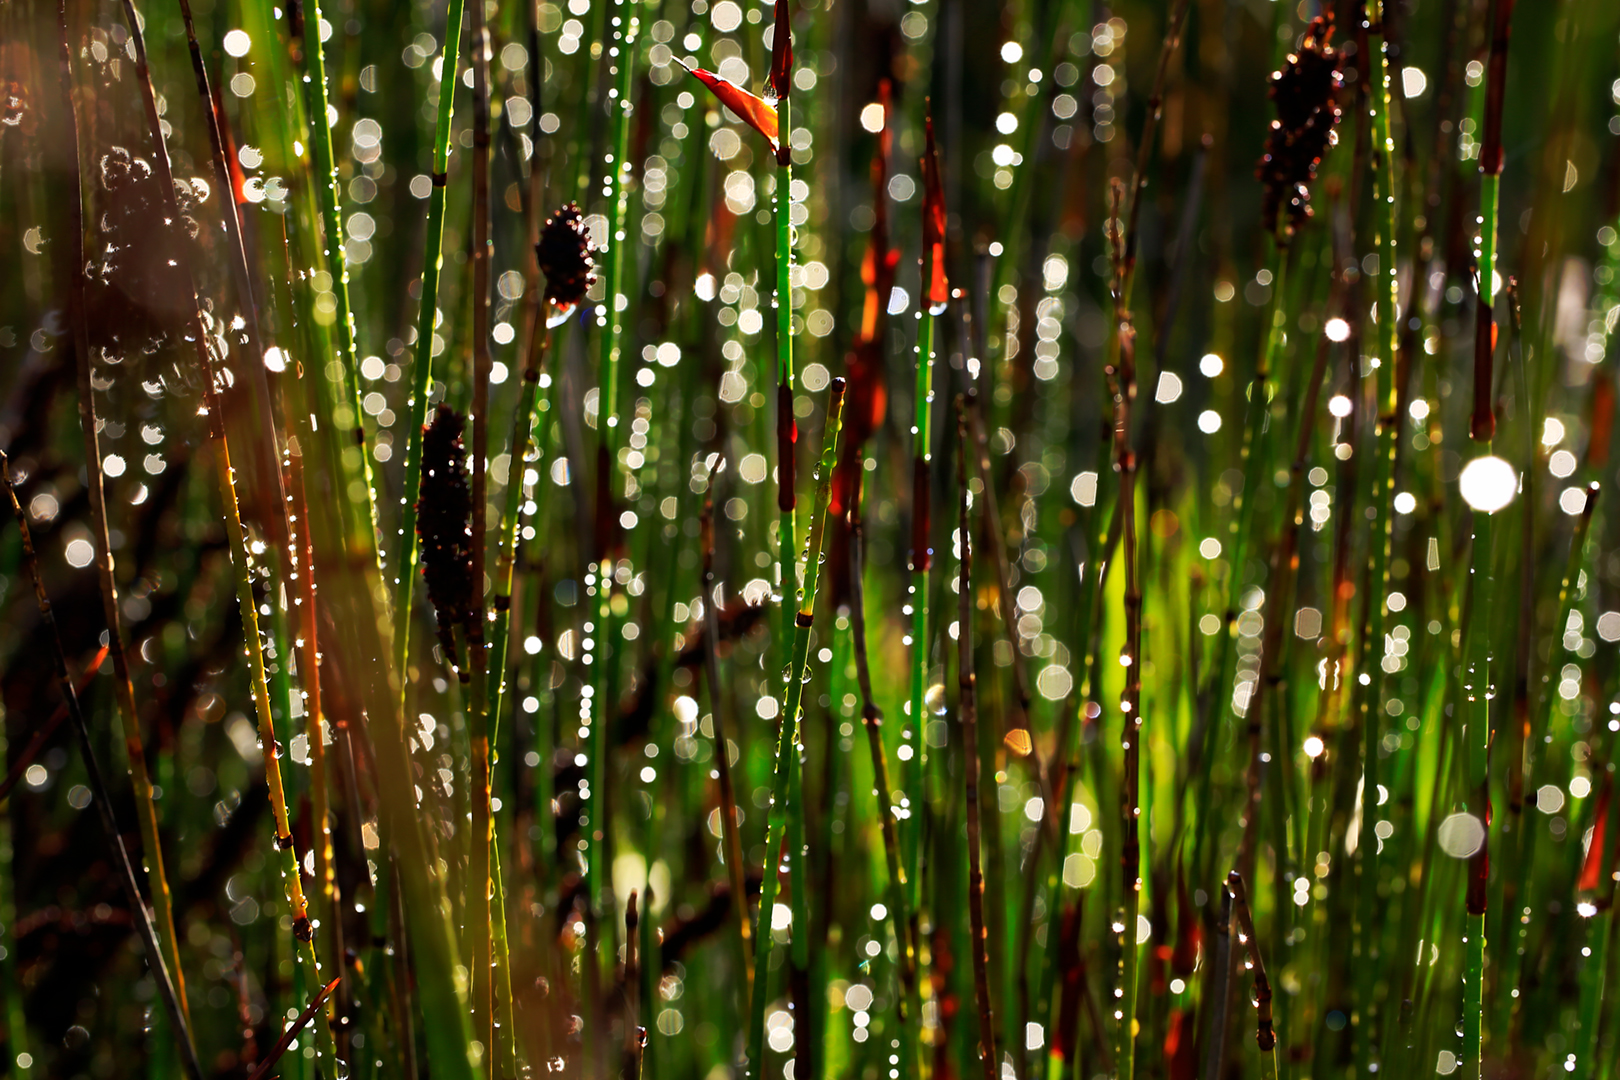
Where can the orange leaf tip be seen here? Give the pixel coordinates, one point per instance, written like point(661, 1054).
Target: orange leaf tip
point(758, 113)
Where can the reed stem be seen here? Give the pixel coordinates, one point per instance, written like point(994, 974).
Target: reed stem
point(1265, 1038)
point(920, 560)
point(1476, 733)
point(786, 429)
point(1121, 378)
point(479, 889)
point(968, 713)
point(872, 720)
point(1386, 300)
point(523, 437)
point(1476, 758)
point(620, 64)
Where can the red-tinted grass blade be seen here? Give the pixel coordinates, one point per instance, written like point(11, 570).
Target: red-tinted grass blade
point(759, 114)
point(238, 177)
point(868, 396)
point(43, 735)
point(782, 53)
point(1592, 868)
point(878, 264)
point(939, 289)
point(291, 1033)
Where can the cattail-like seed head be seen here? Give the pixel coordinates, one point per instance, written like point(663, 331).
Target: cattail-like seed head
point(564, 254)
point(443, 519)
point(1304, 130)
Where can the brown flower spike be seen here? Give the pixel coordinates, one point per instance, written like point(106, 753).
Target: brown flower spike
point(564, 254)
point(1307, 115)
point(443, 524)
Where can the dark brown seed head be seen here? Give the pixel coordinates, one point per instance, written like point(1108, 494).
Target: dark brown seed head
point(1307, 115)
point(564, 254)
point(443, 516)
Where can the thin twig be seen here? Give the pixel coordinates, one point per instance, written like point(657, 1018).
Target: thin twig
point(294, 1029)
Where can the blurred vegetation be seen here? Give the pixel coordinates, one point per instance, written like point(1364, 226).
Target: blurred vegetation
point(1236, 593)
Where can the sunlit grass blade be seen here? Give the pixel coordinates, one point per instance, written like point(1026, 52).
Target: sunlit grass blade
point(404, 565)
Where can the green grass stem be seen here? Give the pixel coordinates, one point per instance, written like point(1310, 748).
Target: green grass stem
point(787, 739)
point(1386, 298)
point(422, 365)
point(479, 888)
point(320, 115)
point(872, 719)
point(618, 62)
